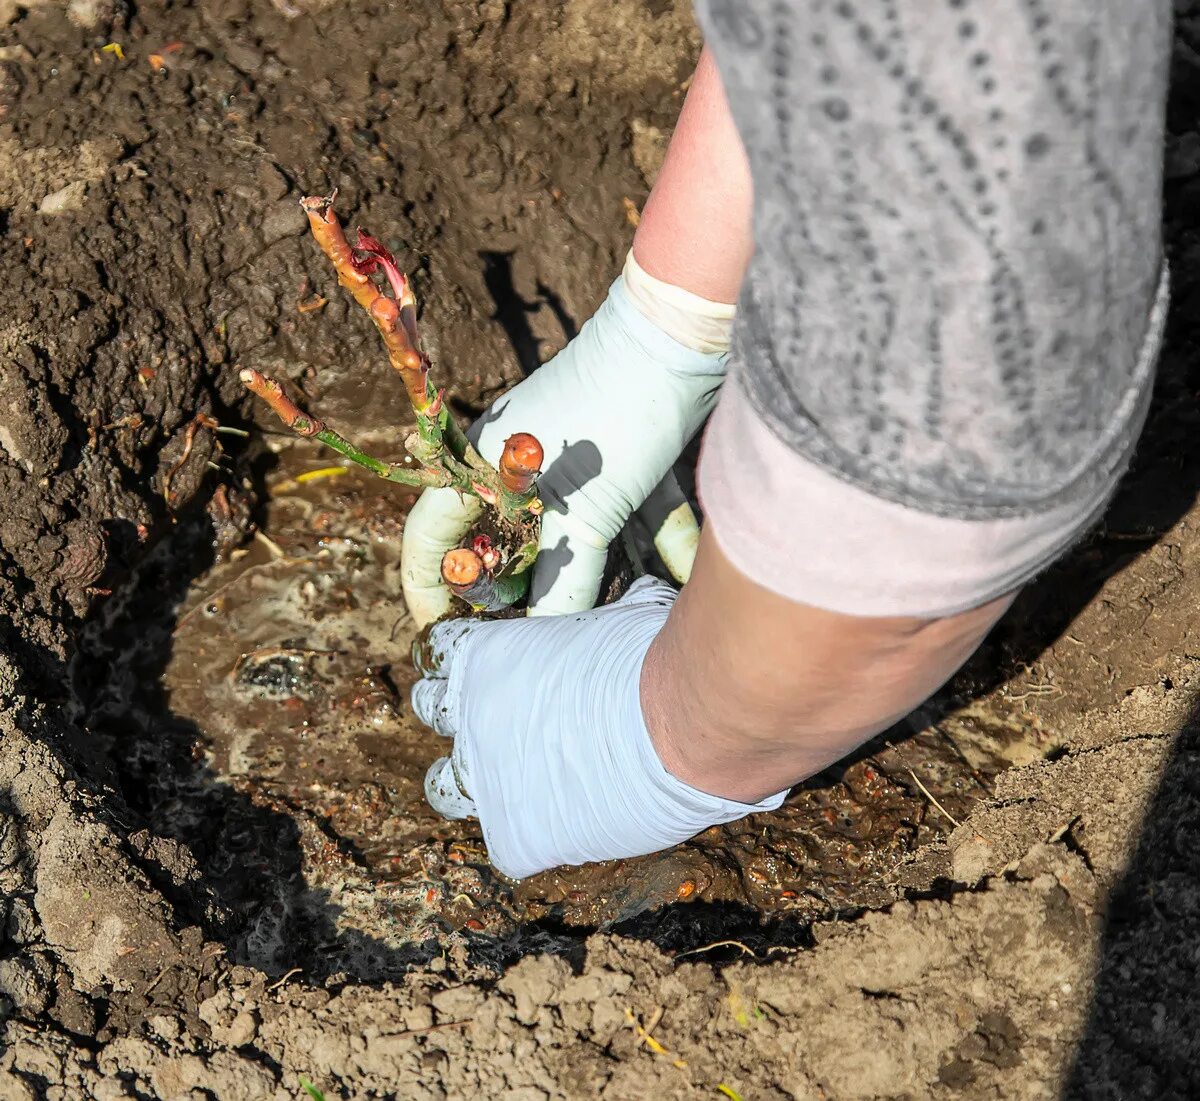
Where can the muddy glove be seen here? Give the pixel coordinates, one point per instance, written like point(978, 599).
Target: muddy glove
point(613, 410)
point(551, 753)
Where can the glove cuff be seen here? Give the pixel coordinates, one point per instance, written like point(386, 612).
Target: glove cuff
point(693, 321)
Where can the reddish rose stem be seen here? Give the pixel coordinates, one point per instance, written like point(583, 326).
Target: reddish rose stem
point(328, 233)
point(398, 337)
point(303, 424)
point(281, 405)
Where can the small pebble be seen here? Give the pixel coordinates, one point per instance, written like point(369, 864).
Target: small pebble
point(64, 200)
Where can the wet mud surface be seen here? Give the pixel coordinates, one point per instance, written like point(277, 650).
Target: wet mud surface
point(288, 667)
point(150, 162)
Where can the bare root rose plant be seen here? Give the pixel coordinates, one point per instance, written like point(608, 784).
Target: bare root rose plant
point(488, 573)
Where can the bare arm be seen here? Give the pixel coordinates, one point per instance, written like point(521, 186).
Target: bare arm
point(695, 231)
point(745, 692)
point(627, 729)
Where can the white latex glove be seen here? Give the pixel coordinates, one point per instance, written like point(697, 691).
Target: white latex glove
point(551, 753)
point(613, 410)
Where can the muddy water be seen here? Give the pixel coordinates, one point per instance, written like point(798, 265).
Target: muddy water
point(292, 660)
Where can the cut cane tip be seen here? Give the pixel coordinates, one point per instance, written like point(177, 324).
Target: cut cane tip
point(461, 568)
point(258, 382)
point(318, 204)
point(523, 451)
point(521, 462)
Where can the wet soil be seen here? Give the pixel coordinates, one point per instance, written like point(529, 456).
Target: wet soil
point(289, 674)
point(152, 242)
point(216, 871)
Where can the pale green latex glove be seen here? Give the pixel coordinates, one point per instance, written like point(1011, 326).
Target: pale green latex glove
point(551, 752)
point(613, 410)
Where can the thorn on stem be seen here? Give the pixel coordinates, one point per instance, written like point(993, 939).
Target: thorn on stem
point(486, 495)
point(376, 256)
point(488, 554)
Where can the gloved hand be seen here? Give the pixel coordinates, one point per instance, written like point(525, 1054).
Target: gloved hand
point(551, 753)
point(613, 410)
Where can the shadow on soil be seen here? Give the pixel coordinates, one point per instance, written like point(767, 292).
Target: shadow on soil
point(1143, 1033)
point(253, 896)
point(513, 312)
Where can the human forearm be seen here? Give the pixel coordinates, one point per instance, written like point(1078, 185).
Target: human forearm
point(746, 693)
point(695, 230)
point(610, 733)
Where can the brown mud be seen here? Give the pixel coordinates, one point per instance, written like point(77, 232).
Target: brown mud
point(216, 871)
point(292, 663)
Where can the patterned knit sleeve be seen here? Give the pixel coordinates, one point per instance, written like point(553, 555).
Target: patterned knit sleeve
point(956, 295)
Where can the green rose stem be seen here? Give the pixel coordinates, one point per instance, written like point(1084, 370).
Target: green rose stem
point(303, 424)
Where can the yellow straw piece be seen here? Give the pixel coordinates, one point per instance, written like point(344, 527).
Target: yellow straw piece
point(324, 472)
point(115, 49)
point(729, 1092)
point(650, 1041)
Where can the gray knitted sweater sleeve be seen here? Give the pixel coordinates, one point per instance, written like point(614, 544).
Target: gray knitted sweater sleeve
point(957, 233)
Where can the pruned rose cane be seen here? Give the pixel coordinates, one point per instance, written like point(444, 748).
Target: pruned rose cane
point(469, 578)
point(521, 462)
point(304, 424)
point(443, 455)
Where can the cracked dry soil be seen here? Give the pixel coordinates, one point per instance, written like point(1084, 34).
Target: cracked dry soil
point(215, 874)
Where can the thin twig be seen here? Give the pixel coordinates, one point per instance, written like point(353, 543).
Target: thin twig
point(200, 420)
point(276, 985)
point(275, 549)
point(1034, 691)
point(718, 944)
point(157, 979)
point(652, 1024)
point(644, 1037)
point(929, 795)
point(433, 1028)
point(232, 581)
